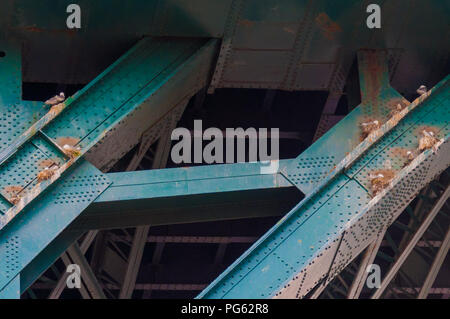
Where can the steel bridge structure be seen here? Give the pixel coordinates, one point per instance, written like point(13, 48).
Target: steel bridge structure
point(141, 74)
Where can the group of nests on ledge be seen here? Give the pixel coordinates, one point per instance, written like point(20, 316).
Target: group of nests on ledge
point(380, 179)
point(49, 170)
point(56, 104)
point(70, 151)
point(371, 125)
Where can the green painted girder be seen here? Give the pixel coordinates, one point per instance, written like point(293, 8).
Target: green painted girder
point(43, 220)
point(170, 196)
point(12, 291)
point(85, 118)
point(149, 69)
point(16, 115)
point(340, 216)
point(342, 143)
point(189, 194)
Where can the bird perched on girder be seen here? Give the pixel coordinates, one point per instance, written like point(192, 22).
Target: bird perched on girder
point(369, 127)
point(72, 151)
point(380, 179)
point(56, 99)
point(422, 90)
point(427, 140)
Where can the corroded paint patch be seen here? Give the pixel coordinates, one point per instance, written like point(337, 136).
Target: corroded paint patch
point(246, 23)
point(328, 27)
point(14, 189)
point(71, 141)
point(12, 193)
point(56, 109)
point(373, 79)
point(46, 163)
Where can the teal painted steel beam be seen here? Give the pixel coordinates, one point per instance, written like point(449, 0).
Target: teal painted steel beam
point(189, 194)
point(153, 69)
point(176, 195)
point(190, 181)
point(12, 290)
point(343, 143)
point(43, 220)
point(84, 119)
point(341, 216)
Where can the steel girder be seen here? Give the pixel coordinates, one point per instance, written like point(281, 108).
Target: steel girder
point(340, 216)
point(366, 215)
point(323, 178)
point(130, 88)
point(428, 221)
point(276, 44)
point(190, 194)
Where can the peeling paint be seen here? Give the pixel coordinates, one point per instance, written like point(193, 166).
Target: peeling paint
point(71, 141)
point(328, 27)
point(246, 23)
point(289, 30)
point(46, 163)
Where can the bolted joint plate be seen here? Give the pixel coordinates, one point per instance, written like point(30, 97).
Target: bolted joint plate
point(318, 163)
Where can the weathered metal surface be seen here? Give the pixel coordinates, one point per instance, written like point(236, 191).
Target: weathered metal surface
point(153, 68)
point(342, 143)
point(91, 113)
point(306, 41)
point(16, 116)
point(331, 226)
point(267, 44)
point(43, 220)
point(160, 197)
point(157, 104)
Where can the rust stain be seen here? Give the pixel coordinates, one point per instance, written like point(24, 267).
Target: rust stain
point(246, 23)
point(56, 109)
point(13, 193)
point(373, 79)
point(36, 29)
point(289, 30)
point(328, 27)
point(71, 141)
point(14, 189)
point(47, 163)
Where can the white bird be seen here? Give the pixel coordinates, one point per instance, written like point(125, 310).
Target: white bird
point(56, 99)
point(72, 151)
point(373, 176)
point(422, 90)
